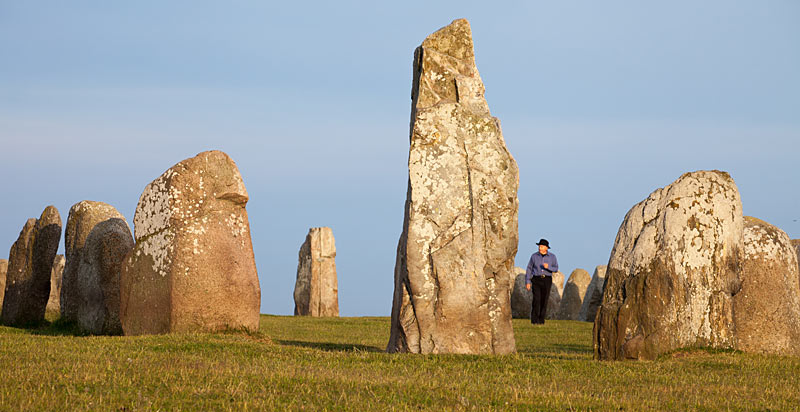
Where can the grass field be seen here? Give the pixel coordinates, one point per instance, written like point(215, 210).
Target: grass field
point(338, 364)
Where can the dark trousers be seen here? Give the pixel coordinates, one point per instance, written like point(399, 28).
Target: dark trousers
point(540, 286)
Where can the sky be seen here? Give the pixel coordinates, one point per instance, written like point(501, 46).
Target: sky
point(600, 104)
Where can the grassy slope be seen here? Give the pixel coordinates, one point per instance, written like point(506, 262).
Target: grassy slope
point(334, 364)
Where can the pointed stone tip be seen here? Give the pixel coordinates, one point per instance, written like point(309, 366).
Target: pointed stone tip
point(454, 40)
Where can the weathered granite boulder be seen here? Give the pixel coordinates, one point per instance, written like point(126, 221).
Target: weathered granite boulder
point(3, 271)
point(192, 268)
point(455, 257)
point(97, 240)
point(316, 291)
point(673, 270)
point(30, 264)
point(594, 295)
point(574, 291)
point(556, 292)
point(56, 273)
point(767, 308)
point(520, 296)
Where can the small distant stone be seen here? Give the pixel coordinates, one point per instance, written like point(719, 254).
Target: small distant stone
point(54, 302)
point(594, 295)
point(556, 293)
point(3, 271)
point(574, 291)
point(316, 290)
point(30, 265)
point(193, 267)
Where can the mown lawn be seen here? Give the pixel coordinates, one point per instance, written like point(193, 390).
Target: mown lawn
point(339, 364)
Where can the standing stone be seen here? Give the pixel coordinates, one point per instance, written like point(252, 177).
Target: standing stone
point(54, 301)
point(556, 293)
point(316, 291)
point(574, 291)
point(594, 295)
point(455, 257)
point(30, 265)
point(521, 297)
point(673, 270)
point(767, 308)
point(192, 268)
point(796, 244)
point(97, 240)
point(3, 271)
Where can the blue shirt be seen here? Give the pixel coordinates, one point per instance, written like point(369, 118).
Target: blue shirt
point(536, 265)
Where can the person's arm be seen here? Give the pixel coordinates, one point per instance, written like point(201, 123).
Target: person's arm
point(554, 266)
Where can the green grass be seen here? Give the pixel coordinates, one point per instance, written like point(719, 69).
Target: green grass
point(338, 364)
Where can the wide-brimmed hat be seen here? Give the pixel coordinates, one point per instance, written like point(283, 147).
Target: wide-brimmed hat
point(544, 242)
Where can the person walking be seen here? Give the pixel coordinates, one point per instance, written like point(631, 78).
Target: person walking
point(539, 279)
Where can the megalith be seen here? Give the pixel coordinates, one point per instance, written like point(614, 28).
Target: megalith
point(574, 291)
point(56, 274)
point(520, 296)
point(767, 308)
point(556, 292)
point(192, 267)
point(97, 241)
point(316, 290)
point(594, 295)
point(455, 257)
point(30, 264)
point(673, 271)
point(3, 271)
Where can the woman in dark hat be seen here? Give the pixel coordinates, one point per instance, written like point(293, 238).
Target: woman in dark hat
point(539, 279)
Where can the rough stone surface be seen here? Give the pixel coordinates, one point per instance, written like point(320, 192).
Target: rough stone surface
point(574, 291)
point(83, 217)
point(594, 295)
point(3, 271)
point(673, 270)
point(316, 291)
point(796, 244)
point(29, 268)
point(556, 293)
point(520, 296)
point(97, 240)
point(56, 273)
point(456, 253)
point(192, 268)
point(767, 308)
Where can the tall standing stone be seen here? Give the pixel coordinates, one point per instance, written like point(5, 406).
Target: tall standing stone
point(455, 257)
point(56, 275)
point(673, 270)
point(3, 271)
point(30, 265)
point(594, 295)
point(767, 308)
point(574, 291)
point(316, 290)
point(97, 240)
point(192, 268)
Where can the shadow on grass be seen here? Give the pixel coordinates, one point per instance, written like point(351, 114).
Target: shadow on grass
point(56, 328)
point(330, 347)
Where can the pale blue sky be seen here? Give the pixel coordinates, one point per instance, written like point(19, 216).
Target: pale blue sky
point(600, 103)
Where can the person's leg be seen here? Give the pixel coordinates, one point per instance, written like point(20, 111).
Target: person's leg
point(547, 283)
point(535, 304)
